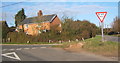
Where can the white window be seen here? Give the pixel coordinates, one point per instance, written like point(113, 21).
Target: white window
point(60, 31)
point(39, 26)
point(27, 32)
point(39, 31)
point(59, 25)
point(26, 25)
point(44, 30)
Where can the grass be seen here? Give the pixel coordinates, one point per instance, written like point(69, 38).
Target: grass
point(117, 35)
point(65, 44)
point(28, 43)
point(94, 45)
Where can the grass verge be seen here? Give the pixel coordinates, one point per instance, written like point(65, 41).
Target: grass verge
point(117, 35)
point(94, 45)
point(28, 43)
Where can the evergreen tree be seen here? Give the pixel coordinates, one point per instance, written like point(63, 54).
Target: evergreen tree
point(19, 17)
point(5, 29)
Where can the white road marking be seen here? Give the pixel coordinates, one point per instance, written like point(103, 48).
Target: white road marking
point(7, 55)
point(19, 49)
point(33, 48)
point(4, 49)
point(23, 48)
point(26, 48)
point(42, 47)
point(11, 49)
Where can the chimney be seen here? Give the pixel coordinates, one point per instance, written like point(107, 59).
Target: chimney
point(40, 13)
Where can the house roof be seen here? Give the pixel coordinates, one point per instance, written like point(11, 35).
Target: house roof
point(45, 18)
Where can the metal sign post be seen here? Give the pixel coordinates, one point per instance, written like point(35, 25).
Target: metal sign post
point(102, 31)
point(101, 16)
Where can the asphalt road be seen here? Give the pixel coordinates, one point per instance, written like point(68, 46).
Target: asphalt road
point(112, 38)
point(45, 53)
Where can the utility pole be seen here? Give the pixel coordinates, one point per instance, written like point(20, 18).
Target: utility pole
point(107, 29)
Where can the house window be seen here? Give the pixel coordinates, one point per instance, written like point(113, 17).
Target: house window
point(38, 26)
point(60, 31)
point(27, 32)
point(26, 25)
point(44, 30)
point(39, 31)
point(59, 25)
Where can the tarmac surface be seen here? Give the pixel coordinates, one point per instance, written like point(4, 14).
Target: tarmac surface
point(45, 53)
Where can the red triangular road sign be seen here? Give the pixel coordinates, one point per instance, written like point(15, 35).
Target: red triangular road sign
point(101, 15)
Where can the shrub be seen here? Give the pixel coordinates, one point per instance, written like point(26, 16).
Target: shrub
point(18, 37)
point(71, 30)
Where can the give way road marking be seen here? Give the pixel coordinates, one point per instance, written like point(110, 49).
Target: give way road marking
point(12, 53)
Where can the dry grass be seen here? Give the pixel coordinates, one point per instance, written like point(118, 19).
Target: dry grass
point(93, 45)
point(107, 48)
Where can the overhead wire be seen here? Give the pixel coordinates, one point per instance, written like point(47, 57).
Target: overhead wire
point(13, 4)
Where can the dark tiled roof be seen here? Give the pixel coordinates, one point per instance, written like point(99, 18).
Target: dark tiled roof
point(39, 19)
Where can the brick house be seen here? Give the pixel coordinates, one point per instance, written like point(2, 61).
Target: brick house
point(40, 23)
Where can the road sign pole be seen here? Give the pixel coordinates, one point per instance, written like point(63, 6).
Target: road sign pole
point(101, 16)
point(102, 31)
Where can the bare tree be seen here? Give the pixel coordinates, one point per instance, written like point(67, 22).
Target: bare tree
point(115, 25)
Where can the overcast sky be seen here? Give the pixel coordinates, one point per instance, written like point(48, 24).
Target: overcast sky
point(77, 10)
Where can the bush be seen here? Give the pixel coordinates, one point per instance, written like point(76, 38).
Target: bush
point(71, 30)
point(18, 37)
point(85, 34)
point(5, 29)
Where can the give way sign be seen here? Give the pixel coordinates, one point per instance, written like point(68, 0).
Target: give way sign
point(101, 15)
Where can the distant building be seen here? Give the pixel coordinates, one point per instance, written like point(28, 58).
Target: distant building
point(40, 23)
